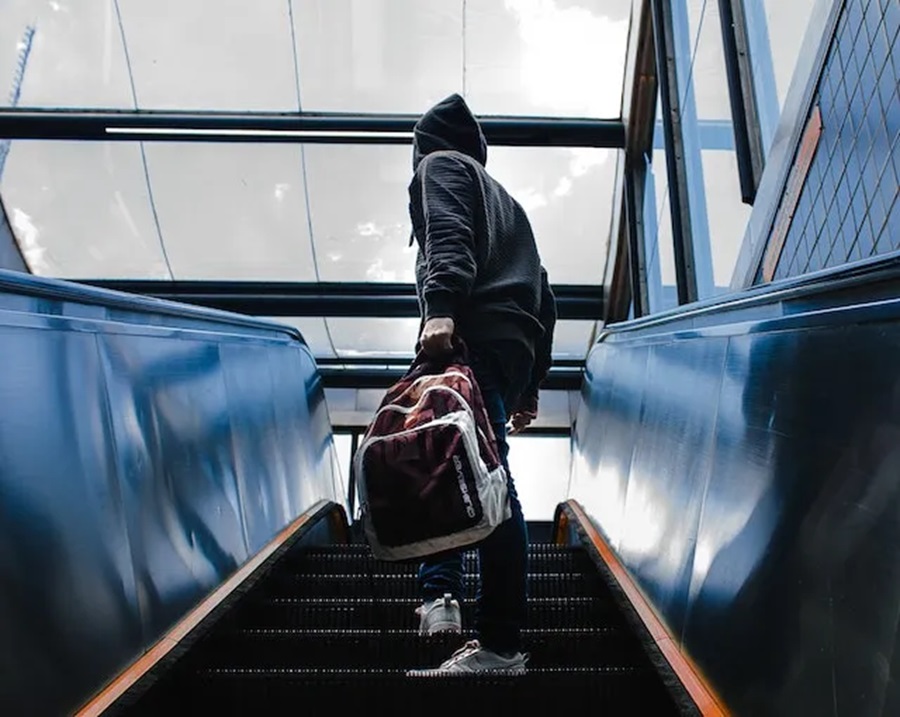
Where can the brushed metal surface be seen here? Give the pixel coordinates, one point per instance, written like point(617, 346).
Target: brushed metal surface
point(747, 471)
point(144, 456)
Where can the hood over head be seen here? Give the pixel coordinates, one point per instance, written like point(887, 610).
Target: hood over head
point(450, 124)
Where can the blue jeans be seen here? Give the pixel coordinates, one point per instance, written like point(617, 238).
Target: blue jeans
point(502, 556)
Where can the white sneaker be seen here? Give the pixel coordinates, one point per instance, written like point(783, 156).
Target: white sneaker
point(441, 615)
point(474, 659)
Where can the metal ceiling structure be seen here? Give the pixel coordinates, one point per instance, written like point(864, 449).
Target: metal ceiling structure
point(255, 159)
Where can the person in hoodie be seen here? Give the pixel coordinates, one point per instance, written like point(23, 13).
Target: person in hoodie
point(479, 277)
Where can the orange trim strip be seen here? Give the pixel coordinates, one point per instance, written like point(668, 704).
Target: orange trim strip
point(791, 197)
point(681, 664)
point(562, 528)
point(128, 677)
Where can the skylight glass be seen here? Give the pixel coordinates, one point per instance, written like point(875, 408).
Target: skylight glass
point(276, 212)
point(534, 57)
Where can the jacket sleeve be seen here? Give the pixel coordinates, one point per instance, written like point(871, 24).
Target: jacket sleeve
point(543, 350)
point(445, 194)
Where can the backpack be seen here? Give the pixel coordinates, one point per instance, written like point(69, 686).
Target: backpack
point(428, 469)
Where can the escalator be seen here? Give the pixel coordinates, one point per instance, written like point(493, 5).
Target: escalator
point(329, 622)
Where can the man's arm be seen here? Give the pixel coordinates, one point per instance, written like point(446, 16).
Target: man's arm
point(445, 193)
point(527, 410)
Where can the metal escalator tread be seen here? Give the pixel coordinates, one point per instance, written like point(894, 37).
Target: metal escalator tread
point(400, 649)
point(336, 624)
point(398, 612)
point(328, 560)
point(404, 586)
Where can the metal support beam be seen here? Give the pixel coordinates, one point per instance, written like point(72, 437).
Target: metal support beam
point(532, 431)
point(559, 379)
point(254, 298)
point(638, 152)
point(676, 168)
point(329, 128)
point(351, 487)
point(635, 181)
point(748, 141)
point(394, 363)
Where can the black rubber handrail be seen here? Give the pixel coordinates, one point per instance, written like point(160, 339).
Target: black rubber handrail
point(31, 285)
point(866, 273)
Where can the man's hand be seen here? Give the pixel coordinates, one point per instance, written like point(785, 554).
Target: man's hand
point(520, 420)
point(437, 335)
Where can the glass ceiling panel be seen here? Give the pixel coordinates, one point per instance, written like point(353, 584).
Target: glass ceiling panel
point(544, 57)
point(62, 53)
point(232, 211)
point(354, 337)
point(82, 209)
point(568, 196)
point(210, 54)
point(183, 211)
point(359, 205)
point(239, 211)
point(378, 55)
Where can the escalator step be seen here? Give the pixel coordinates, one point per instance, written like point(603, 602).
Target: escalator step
point(379, 586)
point(619, 691)
point(296, 612)
point(354, 562)
point(363, 549)
point(401, 649)
point(333, 623)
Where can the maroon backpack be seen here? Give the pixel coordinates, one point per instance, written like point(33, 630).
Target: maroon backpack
point(428, 470)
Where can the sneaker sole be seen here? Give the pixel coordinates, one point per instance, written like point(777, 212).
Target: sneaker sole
point(519, 671)
point(442, 627)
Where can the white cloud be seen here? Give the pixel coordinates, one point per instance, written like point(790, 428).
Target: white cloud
point(585, 158)
point(573, 60)
point(281, 190)
point(563, 188)
point(27, 234)
point(377, 272)
point(369, 229)
point(530, 199)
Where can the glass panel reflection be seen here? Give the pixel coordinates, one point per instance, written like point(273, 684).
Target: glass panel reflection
point(378, 55)
point(538, 57)
point(210, 54)
point(359, 204)
point(535, 57)
point(63, 53)
point(83, 210)
point(239, 211)
point(232, 211)
point(568, 195)
point(359, 198)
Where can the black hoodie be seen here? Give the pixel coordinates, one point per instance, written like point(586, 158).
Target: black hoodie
point(477, 261)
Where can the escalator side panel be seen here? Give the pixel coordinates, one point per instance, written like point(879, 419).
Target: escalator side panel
point(127, 489)
point(767, 467)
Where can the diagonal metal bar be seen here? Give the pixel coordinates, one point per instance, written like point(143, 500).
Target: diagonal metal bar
point(559, 379)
